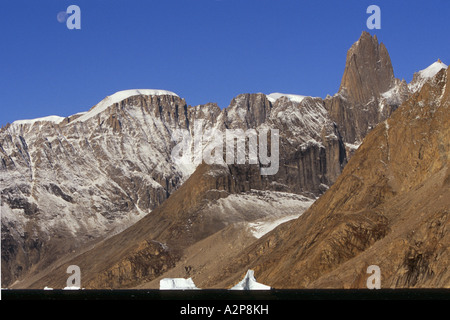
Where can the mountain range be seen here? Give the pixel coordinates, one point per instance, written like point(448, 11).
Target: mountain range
point(362, 179)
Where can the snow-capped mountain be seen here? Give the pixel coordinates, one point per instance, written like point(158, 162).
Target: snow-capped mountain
point(69, 181)
point(425, 75)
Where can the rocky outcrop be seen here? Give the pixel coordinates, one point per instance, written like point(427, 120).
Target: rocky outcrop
point(359, 104)
point(368, 70)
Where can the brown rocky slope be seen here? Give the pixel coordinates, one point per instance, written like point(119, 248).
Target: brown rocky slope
point(390, 207)
point(174, 231)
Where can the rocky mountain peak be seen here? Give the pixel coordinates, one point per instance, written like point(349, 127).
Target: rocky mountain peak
point(424, 75)
point(368, 70)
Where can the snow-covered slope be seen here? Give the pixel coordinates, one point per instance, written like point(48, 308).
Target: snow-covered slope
point(120, 96)
point(262, 210)
point(424, 75)
point(401, 91)
point(293, 97)
point(54, 119)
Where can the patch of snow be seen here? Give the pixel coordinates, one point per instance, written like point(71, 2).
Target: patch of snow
point(80, 113)
point(390, 93)
point(263, 211)
point(443, 91)
point(381, 106)
point(120, 96)
point(249, 283)
point(432, 70)
point(177, 284)
point(310, 143)
point(162, 245)
point(341, 94)
point(423, 75)
point(54, 119)
point(260, 228)
point(72, 288)
point(370, 101)
point(293, 97)
point(353, 146)
point(260, 210)
point(331, 136)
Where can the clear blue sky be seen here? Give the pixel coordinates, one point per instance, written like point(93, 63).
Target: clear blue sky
point(203, 50)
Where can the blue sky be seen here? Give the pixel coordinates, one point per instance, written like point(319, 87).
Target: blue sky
point(203, 50)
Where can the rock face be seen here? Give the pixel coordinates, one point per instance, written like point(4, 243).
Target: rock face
point(311, 154)
point(368, 70)
point(368, 93)
point(389, 207)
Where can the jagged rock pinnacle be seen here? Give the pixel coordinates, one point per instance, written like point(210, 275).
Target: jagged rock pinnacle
point(368, 71)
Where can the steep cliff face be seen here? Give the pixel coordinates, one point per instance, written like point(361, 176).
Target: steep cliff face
point(311, 150)
point(389, 207)
point(368, 70)
point(360, 104)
